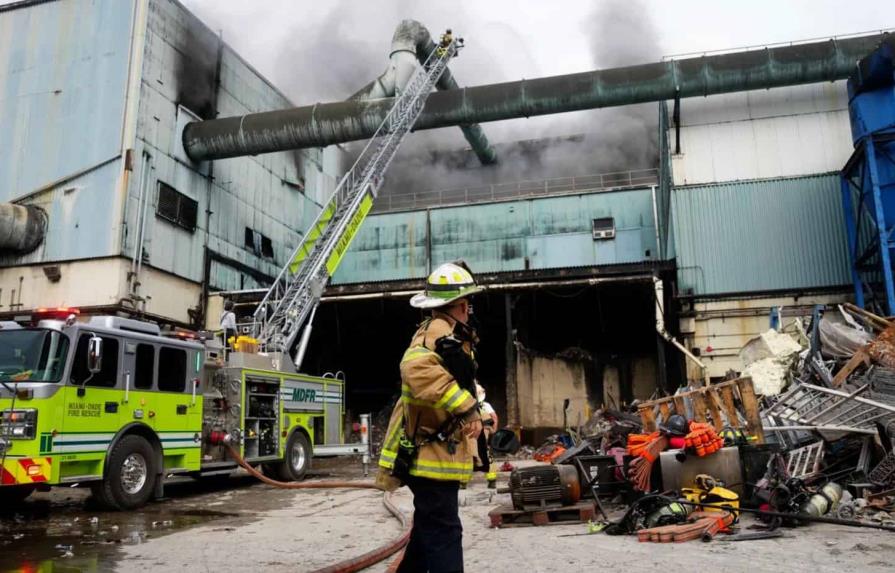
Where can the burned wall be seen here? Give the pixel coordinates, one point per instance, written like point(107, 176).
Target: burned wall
point(545, 382)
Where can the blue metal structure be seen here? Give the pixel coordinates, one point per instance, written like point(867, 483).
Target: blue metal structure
point(868, 179)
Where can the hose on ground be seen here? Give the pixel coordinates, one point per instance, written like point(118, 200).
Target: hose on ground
point(355, 563)
point(378, 554)
point(297, 485)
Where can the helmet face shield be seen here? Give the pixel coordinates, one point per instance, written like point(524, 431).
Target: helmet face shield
point(447, 283)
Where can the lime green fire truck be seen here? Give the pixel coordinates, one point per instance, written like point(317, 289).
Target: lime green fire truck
point(111, 403)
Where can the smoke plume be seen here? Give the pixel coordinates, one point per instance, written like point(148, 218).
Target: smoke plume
point(330, 55)
point(597, 141)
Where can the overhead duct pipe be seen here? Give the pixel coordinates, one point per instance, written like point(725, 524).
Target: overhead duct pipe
point(22, 227)
point(413, 43)
point(325, 124)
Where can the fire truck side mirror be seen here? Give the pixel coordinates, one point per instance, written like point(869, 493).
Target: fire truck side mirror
point(95, 354)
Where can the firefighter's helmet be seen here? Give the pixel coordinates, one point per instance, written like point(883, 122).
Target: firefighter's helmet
point(448, 283)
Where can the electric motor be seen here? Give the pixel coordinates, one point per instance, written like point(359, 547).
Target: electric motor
point(541, 487)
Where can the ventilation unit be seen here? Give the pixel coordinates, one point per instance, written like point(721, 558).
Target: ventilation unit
point(604, 228)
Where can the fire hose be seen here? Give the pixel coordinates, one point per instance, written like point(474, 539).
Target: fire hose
point(355, 563)
point(804, 517)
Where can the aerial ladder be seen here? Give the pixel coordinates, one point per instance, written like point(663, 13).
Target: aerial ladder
point(292, 299)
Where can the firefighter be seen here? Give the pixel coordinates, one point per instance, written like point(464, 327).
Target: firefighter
point(431, 438)
point(446, 40)
point(228, 323)
point(489, 421)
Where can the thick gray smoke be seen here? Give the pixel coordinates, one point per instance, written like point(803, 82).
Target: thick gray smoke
point(599, 141)
point(330, 59)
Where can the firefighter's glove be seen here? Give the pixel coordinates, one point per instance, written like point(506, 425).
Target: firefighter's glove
point(472, 428)
point(457, 361)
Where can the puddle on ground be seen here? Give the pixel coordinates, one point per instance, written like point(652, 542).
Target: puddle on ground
point(63, 530)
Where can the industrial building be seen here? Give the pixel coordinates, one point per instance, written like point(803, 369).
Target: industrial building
point(588, 278)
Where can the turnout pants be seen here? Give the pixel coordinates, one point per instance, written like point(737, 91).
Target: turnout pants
point(436, 538)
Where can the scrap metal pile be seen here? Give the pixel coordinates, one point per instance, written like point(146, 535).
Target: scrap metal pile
point(804, 435)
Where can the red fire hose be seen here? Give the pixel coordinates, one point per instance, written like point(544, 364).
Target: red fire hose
point(355, 563)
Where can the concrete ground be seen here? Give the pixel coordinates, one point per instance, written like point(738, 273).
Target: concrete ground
point(246, 526)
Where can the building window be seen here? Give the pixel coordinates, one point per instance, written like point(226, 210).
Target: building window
point(259, 244)
point(176, 207)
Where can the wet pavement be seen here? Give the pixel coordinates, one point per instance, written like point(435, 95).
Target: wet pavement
point(244, 526)
point(63, 530)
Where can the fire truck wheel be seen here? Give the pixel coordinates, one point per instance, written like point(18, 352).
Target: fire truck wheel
point(13, 495)
point(297, 462)
point(130, 475)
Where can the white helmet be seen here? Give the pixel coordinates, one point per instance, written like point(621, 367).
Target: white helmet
point(447, 283)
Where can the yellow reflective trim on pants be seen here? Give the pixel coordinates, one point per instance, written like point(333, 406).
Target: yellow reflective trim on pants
point(491, 476)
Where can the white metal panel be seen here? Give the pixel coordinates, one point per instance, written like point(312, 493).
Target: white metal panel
point(784, 132)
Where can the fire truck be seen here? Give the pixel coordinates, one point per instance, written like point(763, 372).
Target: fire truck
point(112, 403)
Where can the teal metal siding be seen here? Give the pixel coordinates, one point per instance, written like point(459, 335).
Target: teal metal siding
point(391, 246)
point(542, 233)
point(63, 76)
point(756, 236)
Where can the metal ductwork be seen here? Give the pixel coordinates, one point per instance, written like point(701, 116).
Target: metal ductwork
point(325, 124)
point(413, 43)
point(22, 227)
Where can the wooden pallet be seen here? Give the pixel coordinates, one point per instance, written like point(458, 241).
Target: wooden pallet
point(723, 404)
point(507, 516)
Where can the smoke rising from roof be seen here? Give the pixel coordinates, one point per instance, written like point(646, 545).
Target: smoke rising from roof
point(616, 139)
point(329, 59)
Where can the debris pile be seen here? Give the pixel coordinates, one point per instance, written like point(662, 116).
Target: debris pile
point(805, 434)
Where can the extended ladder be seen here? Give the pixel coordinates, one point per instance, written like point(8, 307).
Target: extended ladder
point(299, 286)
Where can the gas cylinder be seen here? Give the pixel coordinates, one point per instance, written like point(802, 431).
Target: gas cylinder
point(821, 502)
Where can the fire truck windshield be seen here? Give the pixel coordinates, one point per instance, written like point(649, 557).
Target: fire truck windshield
point(32, 355)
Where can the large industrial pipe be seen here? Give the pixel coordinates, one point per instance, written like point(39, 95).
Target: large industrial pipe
point(412, 42)
point(22, 227)
point(325, 124)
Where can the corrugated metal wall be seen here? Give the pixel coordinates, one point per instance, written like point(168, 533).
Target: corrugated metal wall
point(782, 132)
point(63, 78)
point(543, 233)
point(263, 193)
point(754, 236)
